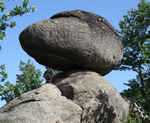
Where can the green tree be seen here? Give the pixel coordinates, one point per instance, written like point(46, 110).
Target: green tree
point(26, 81)
point(8, 89)
point(55, 72)
point(30, 78)
point(135, 36)
point(17, 11)
point(132, 118)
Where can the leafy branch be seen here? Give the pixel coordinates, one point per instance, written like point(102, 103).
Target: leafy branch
point(17, 11)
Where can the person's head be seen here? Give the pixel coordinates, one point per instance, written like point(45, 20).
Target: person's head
point(48, 68)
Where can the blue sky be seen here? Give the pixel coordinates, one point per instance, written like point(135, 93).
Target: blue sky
point(12, 53)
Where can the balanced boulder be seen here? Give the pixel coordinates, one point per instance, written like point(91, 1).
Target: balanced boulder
point(74, 39)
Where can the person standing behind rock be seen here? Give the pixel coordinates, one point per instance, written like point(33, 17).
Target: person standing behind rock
point(48, 75)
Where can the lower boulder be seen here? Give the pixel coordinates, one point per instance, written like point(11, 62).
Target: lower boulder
point(42, 105)
point(76, 96)
point(100, 101)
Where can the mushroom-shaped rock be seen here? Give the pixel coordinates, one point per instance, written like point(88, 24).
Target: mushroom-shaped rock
point(74, 39)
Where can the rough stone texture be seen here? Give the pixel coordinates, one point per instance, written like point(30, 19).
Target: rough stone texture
point(97, 112)
point(91, 99)
point(100, 101)
point(42, 105)
point(74, 39)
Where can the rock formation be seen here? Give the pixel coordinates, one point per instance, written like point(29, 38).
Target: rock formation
point(90, 99)
point(74, 39)
point(86, 47)
point(100, 101)
point(42, 105)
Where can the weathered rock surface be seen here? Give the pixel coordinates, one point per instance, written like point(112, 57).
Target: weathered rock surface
point(74, 39)
point(100, 101)
point(91, 99)
point(42, 105)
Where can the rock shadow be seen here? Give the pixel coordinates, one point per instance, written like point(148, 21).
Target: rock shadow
point(98, 110)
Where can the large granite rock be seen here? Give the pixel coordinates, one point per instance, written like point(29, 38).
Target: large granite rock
point(42, 105)
point(79, 96)
point(100, 101)
point(74, 39)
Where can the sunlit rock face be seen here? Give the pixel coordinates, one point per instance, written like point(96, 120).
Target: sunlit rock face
point(72, 40)
point(42, 105)
point(76, 96)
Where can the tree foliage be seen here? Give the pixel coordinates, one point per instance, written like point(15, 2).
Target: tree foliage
point(135, 36)
point(134, 118)
point(30, 78)
point(9, 91)
point(26, 81)
point(17, 11)
point(55, 72)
